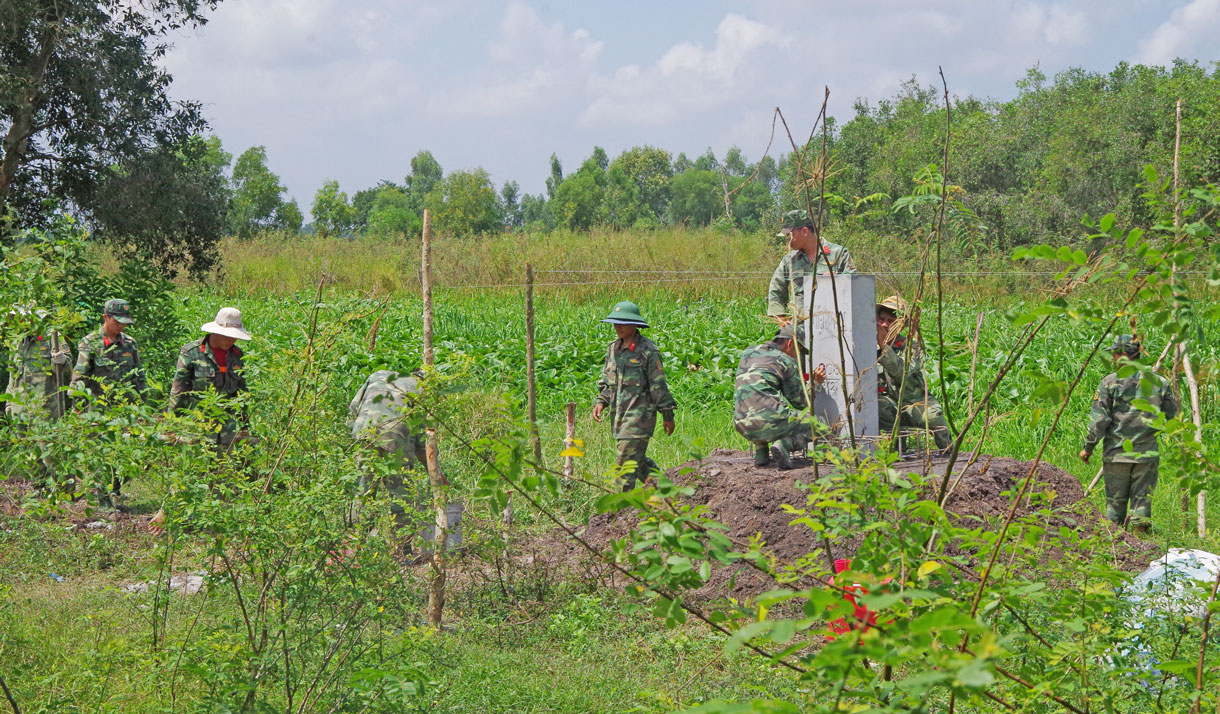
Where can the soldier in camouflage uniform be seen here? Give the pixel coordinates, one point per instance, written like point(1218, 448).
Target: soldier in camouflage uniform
point(39, 371)
point(108, 359)
point(1130, 476)
point(769, 404)
point(633, 386)
point(909, 400)
point(379, 422)
point(214, 363)
point(804, 258)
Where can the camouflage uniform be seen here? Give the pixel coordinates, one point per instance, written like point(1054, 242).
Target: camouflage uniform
point(197, 372)
point(38, 373)
point(919, 410)
point(378, 421)
point(114, 362)
point(633, 386)
point(768, 381)
point(1129, 476)
point(792, 270)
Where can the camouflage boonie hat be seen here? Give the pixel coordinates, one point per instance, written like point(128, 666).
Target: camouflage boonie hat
point(626, 313)
point(119, 310)
point(1126, 344)
point(793, 220)
point(788, 332)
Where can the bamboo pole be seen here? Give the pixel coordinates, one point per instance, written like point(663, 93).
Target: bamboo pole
point(1197, 417)
point(569, 440)
point(531, 381)
point(436, 590)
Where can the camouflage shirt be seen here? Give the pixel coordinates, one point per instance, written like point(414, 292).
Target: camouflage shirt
point(891, 363)
point(793, 268)
point(633, 386)
point(377, 412)
point(768, 391)
point(198, 372)
point(37, 375)
point(1115, 420)
point(102, 359)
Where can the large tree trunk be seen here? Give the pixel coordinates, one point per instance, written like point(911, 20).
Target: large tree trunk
point(16, 142)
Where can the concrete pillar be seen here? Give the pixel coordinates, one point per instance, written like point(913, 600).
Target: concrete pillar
point(858, 384)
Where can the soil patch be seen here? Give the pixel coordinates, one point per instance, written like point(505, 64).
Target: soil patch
point(749, 500)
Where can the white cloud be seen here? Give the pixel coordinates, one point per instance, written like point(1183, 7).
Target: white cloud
point(532, 64)
point(1186, 30)
point(688, 77)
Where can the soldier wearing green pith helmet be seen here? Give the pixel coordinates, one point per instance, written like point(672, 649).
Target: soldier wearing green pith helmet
point(806, 256)
point(1130, 475)
point(633, 386)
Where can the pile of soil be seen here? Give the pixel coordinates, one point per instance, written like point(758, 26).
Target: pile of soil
point(749, 500)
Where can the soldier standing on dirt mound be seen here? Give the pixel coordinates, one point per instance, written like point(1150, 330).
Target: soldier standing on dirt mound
point(803, 258)
point(1130, 476)
point(915, 406)
point(633, 386)
point(769, 404)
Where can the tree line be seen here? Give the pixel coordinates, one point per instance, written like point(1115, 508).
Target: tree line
point(87, 126)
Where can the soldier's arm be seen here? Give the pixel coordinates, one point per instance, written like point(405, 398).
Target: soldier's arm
point(777, 293)
point(1099, 418)
point(794, 390)
point(1169, 405)
point(845, 265)
point(658, 390)
point(184, 383)
point(83, 366)
point(139, 380)
point(606, 383)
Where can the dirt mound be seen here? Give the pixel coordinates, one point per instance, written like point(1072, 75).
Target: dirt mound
point(749, 500)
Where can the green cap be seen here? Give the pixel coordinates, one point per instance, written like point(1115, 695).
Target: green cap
point(1126, 344)
point(793, 220)
point(626, 313)
point(119, 310)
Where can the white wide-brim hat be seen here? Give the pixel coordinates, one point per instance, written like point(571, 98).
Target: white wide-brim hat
point(227, 323)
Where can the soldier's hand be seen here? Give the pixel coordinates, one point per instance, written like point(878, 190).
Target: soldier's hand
point(819, 374)
point(156, 524)
point(669, 428)
point(1084, 455)
point(597, 412)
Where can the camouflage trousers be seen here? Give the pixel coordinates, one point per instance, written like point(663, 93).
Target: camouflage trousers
point(792, 429)
point(634, 450)
point(921, 416)
point(393, 482)
point(1129, 491)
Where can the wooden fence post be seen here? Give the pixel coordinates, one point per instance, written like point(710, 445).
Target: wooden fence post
point(436, 590)
point(569, 440)
point(531, 386)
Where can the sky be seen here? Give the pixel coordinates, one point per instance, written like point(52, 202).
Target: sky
point(350, 90)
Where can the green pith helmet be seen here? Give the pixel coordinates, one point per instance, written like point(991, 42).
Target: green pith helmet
point(626, 313)
point(1127, 344)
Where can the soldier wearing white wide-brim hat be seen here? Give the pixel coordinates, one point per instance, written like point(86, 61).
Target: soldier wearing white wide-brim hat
point(214, 363)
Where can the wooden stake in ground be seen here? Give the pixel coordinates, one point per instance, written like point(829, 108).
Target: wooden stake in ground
point(1197, 417)
point(531, 383)
point(436, 591)
point(569, 440)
